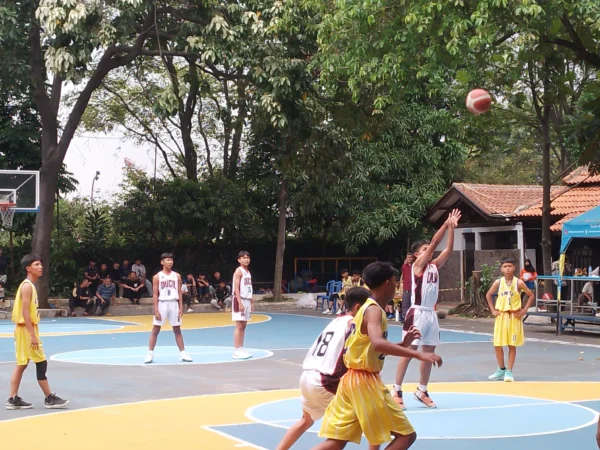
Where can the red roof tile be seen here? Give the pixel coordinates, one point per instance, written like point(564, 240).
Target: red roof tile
point(568, 202)
point(498, 199)
point(581, 175)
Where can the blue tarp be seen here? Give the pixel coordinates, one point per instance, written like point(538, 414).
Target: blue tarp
point(586, 225)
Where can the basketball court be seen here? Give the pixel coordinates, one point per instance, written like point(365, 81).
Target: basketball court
point(213, 403)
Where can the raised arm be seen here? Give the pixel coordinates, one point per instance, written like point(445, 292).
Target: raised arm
point(425, 257)
point(489, 296)
point(452, 222)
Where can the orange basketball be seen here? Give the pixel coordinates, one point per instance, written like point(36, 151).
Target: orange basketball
point(479, 101)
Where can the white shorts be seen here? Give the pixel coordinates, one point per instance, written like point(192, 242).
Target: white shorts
point(315, 398)
point(169, 310)
point(238, 316)
point(426, 321)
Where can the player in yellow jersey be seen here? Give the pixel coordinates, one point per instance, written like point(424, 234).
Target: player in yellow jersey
point(28, 346)
point(363, 403)
point(508, 327)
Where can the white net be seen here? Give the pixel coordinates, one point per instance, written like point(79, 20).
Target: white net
point(7, 213)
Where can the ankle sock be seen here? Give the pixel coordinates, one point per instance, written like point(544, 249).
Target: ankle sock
point(423, 388)
point(398, 387)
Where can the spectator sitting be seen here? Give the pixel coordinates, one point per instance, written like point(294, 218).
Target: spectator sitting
point(339, 296)
point(81, 298)
point(125, 269)
point(2, 297)
point(203, 288)
point(140, 270)
point(215, 280)
point(105, 294)
point(103, 272)
point(115, 275)
point(587, 296)
point(187, 298)
point(133, 288)
point(191, 286)
point(223, 297)
point(91, 273)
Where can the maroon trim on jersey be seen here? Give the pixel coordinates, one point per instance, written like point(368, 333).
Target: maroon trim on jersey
point(419, 287)
point(235, 305)
point(409, 320)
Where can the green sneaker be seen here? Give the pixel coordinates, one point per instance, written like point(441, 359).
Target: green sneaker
point(508, 376)
point(499, 375)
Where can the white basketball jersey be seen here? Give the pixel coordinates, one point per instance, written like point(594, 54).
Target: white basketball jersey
point(246, 285)
point(168, 288)
point(326, 352)
point(425, 288)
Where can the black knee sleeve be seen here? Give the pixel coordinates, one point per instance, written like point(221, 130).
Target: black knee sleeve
point(40, 370)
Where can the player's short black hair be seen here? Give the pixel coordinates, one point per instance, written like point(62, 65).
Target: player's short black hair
point(377, 273)
point(107, 277)
point(356, 272)
point(507, 260)
point(29, 259)
point(344, 270)
point(417, 245)
point(356, 296)
point(243, 253)
point(165, 256)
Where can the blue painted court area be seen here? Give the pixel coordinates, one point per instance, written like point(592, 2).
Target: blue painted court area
point(462, 421)
point(163, 356)
point(70, 325)
point(285, 331)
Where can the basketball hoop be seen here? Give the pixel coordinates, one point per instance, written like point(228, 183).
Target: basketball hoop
point(7, 213)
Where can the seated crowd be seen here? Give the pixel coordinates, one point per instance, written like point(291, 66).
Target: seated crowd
point(100, 287)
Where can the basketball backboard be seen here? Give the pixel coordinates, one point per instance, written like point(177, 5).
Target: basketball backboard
point(21, 187)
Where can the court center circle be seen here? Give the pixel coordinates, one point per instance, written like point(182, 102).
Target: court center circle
point(163, 355)
point(458, 412)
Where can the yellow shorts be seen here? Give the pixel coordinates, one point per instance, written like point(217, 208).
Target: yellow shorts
point(508, 330)
point(363, 404)
point(23, 349)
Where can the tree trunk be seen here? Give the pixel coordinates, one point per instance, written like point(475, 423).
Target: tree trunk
point(11, 250)
point(283, 203)
point(546, 189)
point(42, 233)
point(191, 157)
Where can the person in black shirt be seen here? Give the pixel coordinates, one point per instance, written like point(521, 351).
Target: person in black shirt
point(223, 297)
point(91, 273)
point(133, 288)
point(103, 272)
point(81, 298)
point(115, 275)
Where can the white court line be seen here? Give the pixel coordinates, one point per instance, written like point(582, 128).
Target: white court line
point(249, 415)
point(9, 335)
point(548, 341)
point(241, 442)
point(223, 352)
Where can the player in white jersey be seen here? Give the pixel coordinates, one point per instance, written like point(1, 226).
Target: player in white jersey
point(324, 366)
point(241, 306)
point(422, 314)
point(168, 305)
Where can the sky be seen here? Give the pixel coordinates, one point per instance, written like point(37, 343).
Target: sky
point(89, 153)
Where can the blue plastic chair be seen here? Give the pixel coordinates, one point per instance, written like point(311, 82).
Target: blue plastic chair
point(337, 288)
point(328, 291)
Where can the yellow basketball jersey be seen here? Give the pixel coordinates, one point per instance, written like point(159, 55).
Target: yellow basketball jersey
point(17, 313)
point(509, 298)
point(358, 352)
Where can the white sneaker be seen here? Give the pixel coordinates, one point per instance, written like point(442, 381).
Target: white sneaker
point(190, 310)
point(240, 353)
point(339, 311)
point(327, 311)
point(184, 357)
point(149, 358)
